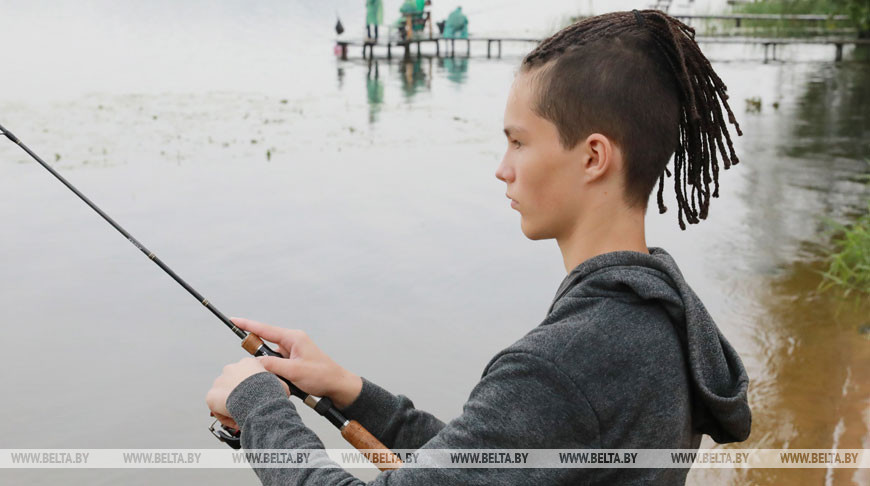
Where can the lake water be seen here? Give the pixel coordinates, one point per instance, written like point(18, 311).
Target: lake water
point(359, 202)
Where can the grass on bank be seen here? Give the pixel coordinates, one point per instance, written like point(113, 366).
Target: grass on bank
point(849, 260)
point(857, 10)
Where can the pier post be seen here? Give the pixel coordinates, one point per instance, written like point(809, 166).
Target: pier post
point(467, 47)
point(452, 47)
point(488, 44)
point(343, 51)
point(499, 49)
point(839, 52)
point(389, 50)
point(418, 48)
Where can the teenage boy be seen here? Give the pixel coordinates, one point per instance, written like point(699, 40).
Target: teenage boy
point(627, 357)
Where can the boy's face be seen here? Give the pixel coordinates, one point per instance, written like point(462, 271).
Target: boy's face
point(544, 180)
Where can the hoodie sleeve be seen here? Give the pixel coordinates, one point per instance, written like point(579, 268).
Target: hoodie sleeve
point(392, 418)
point(522, 402)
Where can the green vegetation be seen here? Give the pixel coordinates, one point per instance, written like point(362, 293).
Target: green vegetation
point(857, 24)
point(857, 10)
point(849, 260)
point(822, 7)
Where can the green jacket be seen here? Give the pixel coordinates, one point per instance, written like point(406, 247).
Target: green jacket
point(374, 12)
point(456, 26)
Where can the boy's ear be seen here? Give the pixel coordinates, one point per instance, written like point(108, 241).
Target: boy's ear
point(598, 156)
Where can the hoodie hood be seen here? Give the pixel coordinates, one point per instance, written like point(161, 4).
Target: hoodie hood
point(719, 380)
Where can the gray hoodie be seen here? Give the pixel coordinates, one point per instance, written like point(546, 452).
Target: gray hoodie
point(627, 357)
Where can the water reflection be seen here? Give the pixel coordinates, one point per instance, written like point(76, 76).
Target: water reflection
point(832, 114)
point(340, 76)
point(413, 76)
point(806, 168)
point(456, 67)
point(374, 89)
point(416, 75)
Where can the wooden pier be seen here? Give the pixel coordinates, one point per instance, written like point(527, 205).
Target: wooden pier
point(449, 45)
point(406, 46)
point(770, 43)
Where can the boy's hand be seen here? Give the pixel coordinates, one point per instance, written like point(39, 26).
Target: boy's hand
point(304, 364)
point(223, 385)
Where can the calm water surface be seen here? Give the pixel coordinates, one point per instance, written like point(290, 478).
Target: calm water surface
point(359, 202)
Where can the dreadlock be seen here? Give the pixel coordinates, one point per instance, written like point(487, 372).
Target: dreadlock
point(640, 78)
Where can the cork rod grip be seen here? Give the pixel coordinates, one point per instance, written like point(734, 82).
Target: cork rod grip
point(252, 343)
point(371, 447)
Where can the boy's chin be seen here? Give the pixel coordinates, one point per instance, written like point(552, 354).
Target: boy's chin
point(534, 233)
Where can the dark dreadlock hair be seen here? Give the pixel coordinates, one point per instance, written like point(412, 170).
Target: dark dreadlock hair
point(640, 79)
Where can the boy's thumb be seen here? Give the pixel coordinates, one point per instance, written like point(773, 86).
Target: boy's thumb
point(273, 364)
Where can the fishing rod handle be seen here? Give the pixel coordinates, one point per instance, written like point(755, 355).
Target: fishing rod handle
point(351, 430)
point(363, 440)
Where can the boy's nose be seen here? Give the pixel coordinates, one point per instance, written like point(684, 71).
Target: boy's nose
point(503, 173)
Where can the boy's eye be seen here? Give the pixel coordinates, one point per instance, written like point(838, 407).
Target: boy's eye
point(515, 143)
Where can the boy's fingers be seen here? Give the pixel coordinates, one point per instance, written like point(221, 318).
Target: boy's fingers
point(265, 331)
point(226, 421)
point(279, 335)
point(280, 366)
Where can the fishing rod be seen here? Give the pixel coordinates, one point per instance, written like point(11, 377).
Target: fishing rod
point(351, 430)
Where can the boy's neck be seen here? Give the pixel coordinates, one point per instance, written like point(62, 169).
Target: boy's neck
point(600, 233)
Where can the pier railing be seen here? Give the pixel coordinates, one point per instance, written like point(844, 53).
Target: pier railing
point(449, 45)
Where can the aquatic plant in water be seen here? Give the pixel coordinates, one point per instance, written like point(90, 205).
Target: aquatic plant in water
point(849, 260)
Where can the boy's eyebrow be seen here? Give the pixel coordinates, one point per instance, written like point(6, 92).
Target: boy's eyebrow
point(512, 129)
